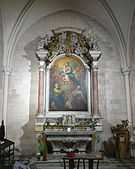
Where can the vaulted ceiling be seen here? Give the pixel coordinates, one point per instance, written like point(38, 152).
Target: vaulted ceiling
point(115, 17)
point(33, 10)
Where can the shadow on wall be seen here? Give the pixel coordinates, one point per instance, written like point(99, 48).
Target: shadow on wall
point(109, 148)
point(28, 140)
point(108, 141)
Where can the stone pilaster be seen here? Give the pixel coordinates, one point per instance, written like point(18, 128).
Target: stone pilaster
point(94, 82)
point(42, 57)
point(6, 74)
point(126, 73)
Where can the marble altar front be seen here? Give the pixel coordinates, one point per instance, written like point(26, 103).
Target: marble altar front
point(73, 140)
point(72, 134)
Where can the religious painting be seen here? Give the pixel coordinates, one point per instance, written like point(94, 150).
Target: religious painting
point(68, 85)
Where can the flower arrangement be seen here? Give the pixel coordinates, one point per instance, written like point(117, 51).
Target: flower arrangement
point(123, 124)
point(92, 123)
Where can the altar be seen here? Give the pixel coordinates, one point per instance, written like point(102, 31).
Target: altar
point(64, 141)
point(68, 107)
point(70, 133)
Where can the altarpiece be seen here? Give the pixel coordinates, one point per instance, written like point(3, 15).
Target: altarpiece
point(68, 83)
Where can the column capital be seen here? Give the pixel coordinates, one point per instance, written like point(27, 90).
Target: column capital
point(42, 54)
point(95, 55)
point(6, 71)
point(126, 71)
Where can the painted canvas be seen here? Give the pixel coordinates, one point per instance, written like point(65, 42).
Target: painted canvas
point(68, 85)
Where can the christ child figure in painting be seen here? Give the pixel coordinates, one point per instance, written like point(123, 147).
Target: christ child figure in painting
point(69, 73)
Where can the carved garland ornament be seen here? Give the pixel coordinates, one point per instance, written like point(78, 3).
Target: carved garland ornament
point(68, 43)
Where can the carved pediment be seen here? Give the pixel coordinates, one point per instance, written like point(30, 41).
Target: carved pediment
point(67, 42)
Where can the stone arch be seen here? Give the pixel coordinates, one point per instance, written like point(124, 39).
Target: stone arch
point(15, 33)
point(131, 55)
point(121, 39)
point(1, 65)
point(132, 42)
point(1, 49)
point(22, 17)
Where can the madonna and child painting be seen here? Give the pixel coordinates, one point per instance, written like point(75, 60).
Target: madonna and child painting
point(68, 85)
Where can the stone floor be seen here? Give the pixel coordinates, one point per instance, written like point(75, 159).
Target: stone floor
point(105, 164)
point(57, 163)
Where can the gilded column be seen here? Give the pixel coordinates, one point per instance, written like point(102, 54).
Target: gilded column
point(94, 82)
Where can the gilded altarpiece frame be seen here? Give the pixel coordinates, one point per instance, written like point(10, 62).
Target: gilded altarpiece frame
point(68, 82)
point(68, 87)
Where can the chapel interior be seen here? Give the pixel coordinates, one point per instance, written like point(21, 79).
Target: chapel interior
point(67, 79)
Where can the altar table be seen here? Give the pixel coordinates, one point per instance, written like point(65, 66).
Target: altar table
point(84, 157)
point(74, 139)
